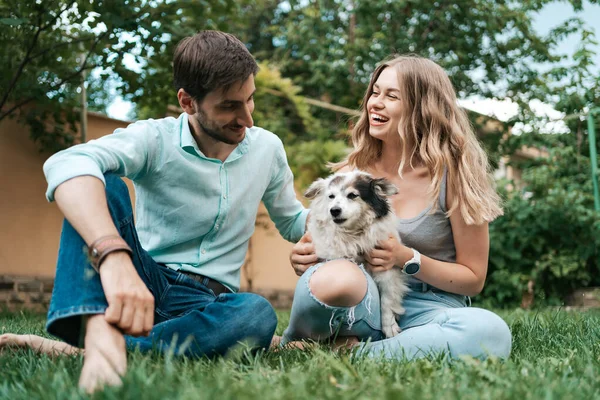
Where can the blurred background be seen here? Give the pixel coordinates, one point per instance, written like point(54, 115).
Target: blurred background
point(527, 72)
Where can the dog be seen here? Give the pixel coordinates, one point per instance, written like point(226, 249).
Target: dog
point(350, 214)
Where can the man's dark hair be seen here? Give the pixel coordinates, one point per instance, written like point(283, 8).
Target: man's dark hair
point(211, 60)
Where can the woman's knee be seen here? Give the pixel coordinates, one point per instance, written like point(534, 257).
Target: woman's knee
point(490, 332)
point(339, 283)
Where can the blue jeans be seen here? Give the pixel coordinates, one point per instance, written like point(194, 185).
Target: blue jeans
point(434, 322)
point(312, 319)
point(189, 319)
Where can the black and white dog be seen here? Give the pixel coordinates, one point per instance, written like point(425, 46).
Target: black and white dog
point(350, 215)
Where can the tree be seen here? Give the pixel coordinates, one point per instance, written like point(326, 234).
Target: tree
point(547, 243)
point(49, 45)
point(151, 88)
point(325, 42)
point(329, 48)
point(309, 146)
point(549, 236)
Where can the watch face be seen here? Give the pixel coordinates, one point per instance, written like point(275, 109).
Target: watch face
point(412, 268)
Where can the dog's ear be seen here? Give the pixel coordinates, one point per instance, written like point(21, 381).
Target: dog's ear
point(315, 188)
point(384, 187)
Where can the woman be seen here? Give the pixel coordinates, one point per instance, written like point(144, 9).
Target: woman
point(412, 132)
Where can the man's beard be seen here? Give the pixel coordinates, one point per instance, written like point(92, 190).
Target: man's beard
point(213, 132)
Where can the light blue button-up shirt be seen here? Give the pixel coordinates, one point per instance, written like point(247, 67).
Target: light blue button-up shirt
point(192, 212)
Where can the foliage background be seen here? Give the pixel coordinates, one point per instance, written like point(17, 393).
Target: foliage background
point(326, 50)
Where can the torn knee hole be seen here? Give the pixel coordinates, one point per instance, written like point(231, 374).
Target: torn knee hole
point(341, 293)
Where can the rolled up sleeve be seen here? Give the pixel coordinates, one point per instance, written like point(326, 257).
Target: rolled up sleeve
point(281, 202)
point(128, 152)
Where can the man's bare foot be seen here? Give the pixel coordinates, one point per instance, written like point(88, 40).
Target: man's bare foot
point(38, 344)
point(105, 358)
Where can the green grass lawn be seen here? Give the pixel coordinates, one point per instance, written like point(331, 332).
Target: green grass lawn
point(556, 355)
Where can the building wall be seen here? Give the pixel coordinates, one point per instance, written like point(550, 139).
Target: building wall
point(30, 226)
point(267, 269)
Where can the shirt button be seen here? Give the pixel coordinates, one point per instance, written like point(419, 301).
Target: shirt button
point(224, 196)
point(203, 251)
point(217, 226)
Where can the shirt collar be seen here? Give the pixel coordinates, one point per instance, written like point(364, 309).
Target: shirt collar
point(188, 143)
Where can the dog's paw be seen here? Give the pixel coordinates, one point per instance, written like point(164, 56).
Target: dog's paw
point(391, 330)
point(396, 329)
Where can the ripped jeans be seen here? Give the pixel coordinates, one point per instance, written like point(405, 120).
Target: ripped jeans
point(315, 320)
point(435, 322)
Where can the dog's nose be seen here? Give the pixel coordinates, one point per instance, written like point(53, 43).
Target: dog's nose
point(335, 211)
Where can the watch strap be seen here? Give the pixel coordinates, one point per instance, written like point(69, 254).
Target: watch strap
point(416, 258)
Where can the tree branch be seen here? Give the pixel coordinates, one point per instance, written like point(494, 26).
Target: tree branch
point(52, 87)
point(43, 28)
point(41, 53)
point(62, 82)
point(20, 69)
point(27, 58)
point(91, 50)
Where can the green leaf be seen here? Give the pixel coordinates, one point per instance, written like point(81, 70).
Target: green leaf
point(13, 21)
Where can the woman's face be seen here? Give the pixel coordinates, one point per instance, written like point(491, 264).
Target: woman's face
point(385, 106)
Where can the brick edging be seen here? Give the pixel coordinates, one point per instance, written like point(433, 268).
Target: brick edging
point(25, 292)
point(34, 292)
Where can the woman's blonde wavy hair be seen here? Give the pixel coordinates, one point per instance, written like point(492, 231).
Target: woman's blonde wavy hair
point(442, 137)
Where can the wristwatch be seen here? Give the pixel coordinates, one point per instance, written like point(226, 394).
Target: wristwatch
point(413, 265)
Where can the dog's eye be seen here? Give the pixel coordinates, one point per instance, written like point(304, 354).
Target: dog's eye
point(332, 196)
point(352, 196)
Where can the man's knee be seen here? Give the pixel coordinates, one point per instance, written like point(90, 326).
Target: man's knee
point(339, 283)
point(117, 196)
point(115, 184)
point(262, 318)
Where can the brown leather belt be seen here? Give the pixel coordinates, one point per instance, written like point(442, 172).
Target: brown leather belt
point(213, 285)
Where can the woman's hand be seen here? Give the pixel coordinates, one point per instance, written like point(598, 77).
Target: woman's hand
point(388, 253)
point(303, 255)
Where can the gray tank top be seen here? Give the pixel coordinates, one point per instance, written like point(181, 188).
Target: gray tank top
point(430, 233)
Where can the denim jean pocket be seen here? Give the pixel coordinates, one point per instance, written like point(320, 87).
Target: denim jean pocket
point(183, 295)
point(449, 299)
point(163, 295)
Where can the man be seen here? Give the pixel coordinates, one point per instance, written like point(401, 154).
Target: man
point(172, 278)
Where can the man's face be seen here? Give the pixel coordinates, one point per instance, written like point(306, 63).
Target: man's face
point(225, 115)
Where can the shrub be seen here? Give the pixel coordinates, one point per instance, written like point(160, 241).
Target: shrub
point(549, 234)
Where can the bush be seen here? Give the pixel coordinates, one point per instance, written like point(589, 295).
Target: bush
point(309, 146)
point(308, 160)
point(549, 234)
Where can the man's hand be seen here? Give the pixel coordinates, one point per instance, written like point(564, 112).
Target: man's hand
point(303, 255)
point(130, 303)
point(388, 253)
